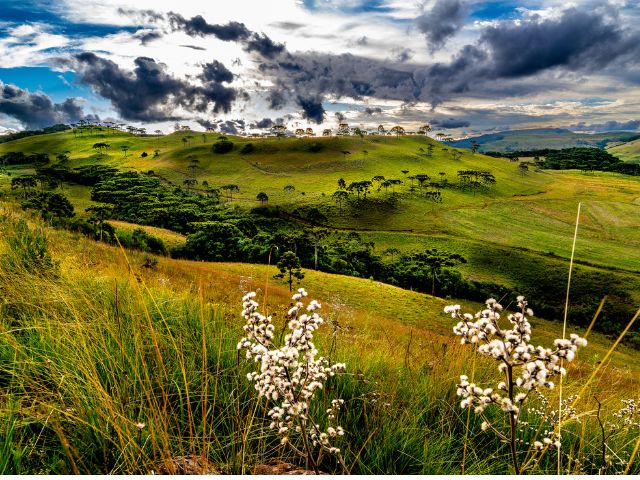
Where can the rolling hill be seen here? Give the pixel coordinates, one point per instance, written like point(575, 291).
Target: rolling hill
point(123, 349)
point(627, 151)
point(512, 233)
point(533, 139)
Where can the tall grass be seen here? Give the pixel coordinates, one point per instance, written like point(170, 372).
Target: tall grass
point(102, 373)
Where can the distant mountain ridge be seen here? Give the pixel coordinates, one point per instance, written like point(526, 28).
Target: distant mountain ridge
point(539, 138)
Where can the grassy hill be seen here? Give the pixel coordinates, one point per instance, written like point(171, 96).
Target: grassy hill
point(535, 211)
point(627, 151)
point(119, 368)
point(532, 139)
point(517, 232)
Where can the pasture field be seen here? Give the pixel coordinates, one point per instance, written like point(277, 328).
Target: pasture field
point(111, 367)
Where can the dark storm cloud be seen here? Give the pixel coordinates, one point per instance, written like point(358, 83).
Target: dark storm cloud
point(372, 110)
point(264, 123)
point(450, 123)
point(232, 127)
point(312, 108)
point(441, 22)
point(263, 45)
point(145, 35)
point(215, 72)
point(193, 47)
point(402, 55)
point(141, 15)
point(610, 126)
point(231, 32)
point(209, 125)
point(198, 27)
point(509, 59)
point(149, 93)
point(37, 110)
point(276, 99)
point(578, 40)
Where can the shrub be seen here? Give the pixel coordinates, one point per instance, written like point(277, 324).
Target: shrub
point(247, 148)
point(314, 147)
point(222, 146)
point(141, 240)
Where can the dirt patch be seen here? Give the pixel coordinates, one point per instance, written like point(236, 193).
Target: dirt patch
point(282, 469)
point(190, 465)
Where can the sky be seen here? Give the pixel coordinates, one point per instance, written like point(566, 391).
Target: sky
point(464, 66)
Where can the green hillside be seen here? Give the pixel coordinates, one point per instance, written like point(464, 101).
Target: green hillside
point(122, 368)
point(516, 233)
point(154, 368)
point(535, 211)
point(627, 151)
point(535, 139)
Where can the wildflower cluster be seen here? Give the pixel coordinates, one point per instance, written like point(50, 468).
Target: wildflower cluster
point(629, 414)
point(291, 374)
point(525, 367)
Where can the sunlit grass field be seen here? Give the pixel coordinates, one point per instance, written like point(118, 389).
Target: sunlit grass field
point(535, 212)
point(110, 367)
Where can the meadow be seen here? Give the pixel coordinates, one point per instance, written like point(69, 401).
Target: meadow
point(118, 361)
point(111, 367)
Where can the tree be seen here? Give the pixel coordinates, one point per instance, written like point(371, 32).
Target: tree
point(124, 149)
point(263, 197)
point(279, 130)
point(309, 132)
point(393, 182)
point(397, 130)
point(222, 146)
point(289, 266)
point(299, 132)
point(342, 184)
point(422, 178)
point(63, 157)
point(25, 182)
point(381, 130)
point(193, 167)
point(56, 205)
point(433, 262)
point(391, 252)
point(289, 188)
point(326, 132)
point(190, 183)
point(230, 188)
point(184, 141)
point(523, 168)
point(361, 187)
point(379, 179)
point(100, 213)
point(343, 129)
point(345, 153)
point(429, 150)
point(474, 146)
point(405, 172)
point(100, 146)
point(424, 129)
point(316, 235)
point(340, 196)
